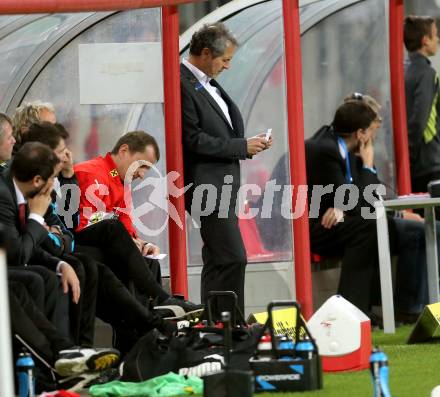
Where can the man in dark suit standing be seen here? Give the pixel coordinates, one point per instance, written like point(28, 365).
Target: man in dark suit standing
point(214, 142)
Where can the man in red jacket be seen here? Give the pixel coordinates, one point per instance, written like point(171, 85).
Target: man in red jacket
point(105, 215)
point(103, 179)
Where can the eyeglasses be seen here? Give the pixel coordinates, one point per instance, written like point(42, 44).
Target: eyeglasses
point(358, 96)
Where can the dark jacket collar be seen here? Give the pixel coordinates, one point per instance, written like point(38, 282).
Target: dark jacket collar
point(326, 135)
point(7, 177)
point(417, 57)
point(325, 132)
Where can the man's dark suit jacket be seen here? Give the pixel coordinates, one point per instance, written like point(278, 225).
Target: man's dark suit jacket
point(23, 247)
point(325, 166)
point(212, 149)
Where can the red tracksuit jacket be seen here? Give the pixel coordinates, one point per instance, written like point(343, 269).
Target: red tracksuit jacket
point(102, 190)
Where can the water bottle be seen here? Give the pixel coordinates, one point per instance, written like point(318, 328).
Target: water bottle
point(304, 349)
point(285, 348)
point(265, 345)
point(286, 344)
point(25, 372)
point(379, 373)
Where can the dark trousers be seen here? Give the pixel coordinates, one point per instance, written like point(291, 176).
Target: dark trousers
point(32, 326)
point(82, 314)
point(129, 318)
point(355, 240)
point(98, 255)
point(45, 290)
point(116, 305)
point(411, 278)
point(224, 259)
point(122, 256)
point(41, 284)
point(420, 185)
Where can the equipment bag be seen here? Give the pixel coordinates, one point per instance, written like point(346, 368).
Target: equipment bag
point(194, 352)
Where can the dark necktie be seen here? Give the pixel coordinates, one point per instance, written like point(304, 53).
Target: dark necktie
point(213, 83)
point(22, 216)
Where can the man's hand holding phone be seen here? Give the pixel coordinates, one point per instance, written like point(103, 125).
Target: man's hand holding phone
point(259, 142)
point(268, 134)
point(255, 145)
point(268, 138)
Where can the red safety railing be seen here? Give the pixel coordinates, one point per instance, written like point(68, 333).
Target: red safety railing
point(173, 139)
point(295, 122)
point(52, 6)
point(400, 132)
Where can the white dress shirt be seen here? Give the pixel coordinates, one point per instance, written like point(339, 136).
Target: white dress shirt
point(213, 91)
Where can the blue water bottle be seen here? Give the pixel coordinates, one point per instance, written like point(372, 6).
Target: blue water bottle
point(286, 347)
point(379, 373)
point(304, 349)
point(25, 372)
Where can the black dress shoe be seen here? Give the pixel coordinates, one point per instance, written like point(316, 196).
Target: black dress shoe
point(174, 308)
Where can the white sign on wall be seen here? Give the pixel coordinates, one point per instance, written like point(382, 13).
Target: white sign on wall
point(113, 73)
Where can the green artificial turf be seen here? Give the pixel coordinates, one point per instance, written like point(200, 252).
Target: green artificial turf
point(414, 370)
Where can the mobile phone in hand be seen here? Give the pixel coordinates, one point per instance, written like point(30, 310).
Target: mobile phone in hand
point(268, 134)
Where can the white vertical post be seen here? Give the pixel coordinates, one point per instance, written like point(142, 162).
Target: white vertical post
point(386, 280)
point(6, 380)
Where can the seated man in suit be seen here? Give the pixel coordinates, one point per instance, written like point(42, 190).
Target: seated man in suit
point(24, 197)
point(340, 158)
point(25, 191)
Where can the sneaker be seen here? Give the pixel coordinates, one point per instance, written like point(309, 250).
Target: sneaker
point(78, 382)
point(78, 360)
point(176, 309)
point(109, 375)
